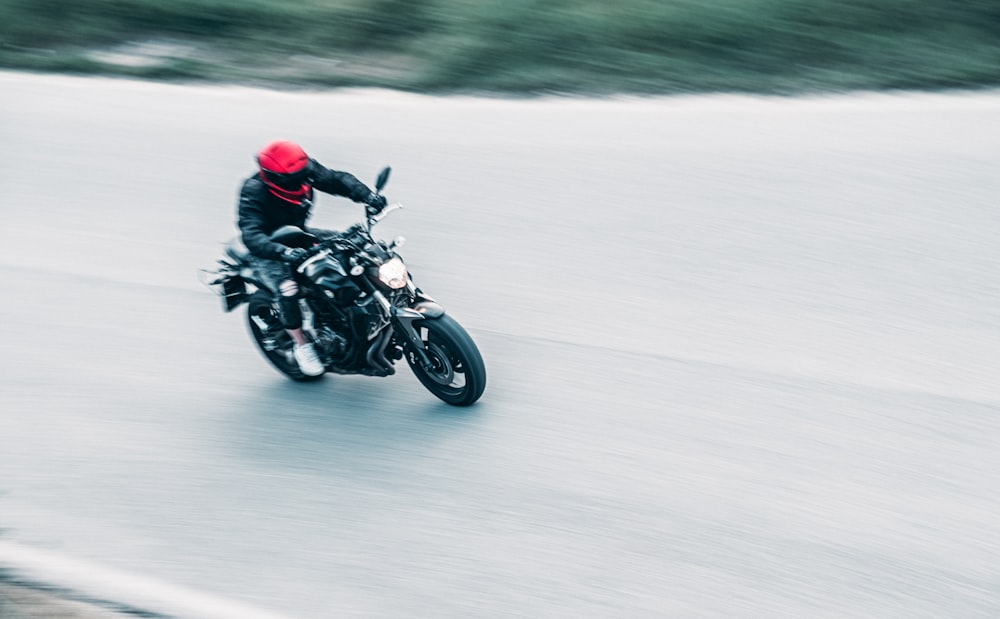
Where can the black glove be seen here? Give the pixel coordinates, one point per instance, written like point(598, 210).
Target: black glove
point(376, 202)
point(294, 255)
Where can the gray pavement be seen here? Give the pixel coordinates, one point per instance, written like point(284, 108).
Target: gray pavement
point(742, 358)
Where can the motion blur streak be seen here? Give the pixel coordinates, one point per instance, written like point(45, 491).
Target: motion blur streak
point(742, 354)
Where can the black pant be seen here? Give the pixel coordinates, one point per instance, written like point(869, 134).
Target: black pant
point(278, 278)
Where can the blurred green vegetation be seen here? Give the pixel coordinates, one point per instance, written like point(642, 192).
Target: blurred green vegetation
point(519, 46)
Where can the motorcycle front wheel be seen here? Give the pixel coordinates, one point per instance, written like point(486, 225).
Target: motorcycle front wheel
point(457, 374)
point(272, 339)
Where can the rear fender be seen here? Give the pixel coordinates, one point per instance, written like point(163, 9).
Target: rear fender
point(234, 293)
point(228, 283)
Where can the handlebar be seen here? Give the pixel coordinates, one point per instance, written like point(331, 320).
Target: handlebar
point(346, 239)
point(377, 217)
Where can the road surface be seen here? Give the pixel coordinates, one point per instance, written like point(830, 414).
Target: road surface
point(742, 358)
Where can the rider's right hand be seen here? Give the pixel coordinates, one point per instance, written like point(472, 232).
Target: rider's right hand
point(294, 255)
point(374, 204)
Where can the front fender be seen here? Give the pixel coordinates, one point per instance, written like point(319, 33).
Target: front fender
point(429, 309)
point(403, 319)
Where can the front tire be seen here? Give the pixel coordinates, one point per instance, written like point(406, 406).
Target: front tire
point(457, 374)
point(273, 341)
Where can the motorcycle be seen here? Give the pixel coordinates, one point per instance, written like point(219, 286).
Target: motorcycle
point(360, 308)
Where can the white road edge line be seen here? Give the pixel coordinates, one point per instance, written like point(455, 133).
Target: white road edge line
point(119, 587)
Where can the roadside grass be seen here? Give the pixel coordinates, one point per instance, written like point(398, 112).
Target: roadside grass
point(522, 46)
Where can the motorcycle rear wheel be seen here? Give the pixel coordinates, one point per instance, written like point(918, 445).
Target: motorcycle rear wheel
point(274, 343)
point(458, 374)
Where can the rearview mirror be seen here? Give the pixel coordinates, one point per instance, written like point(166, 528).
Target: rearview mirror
point(383, 178)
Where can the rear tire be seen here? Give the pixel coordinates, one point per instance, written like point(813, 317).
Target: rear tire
point(458, 375)
point(264, 321)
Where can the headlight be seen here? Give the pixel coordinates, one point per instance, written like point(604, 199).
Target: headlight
point(393, 273)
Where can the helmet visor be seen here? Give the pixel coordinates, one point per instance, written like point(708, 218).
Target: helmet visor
point(288, 182)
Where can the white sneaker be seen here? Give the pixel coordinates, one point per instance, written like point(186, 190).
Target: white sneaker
point(309, 363)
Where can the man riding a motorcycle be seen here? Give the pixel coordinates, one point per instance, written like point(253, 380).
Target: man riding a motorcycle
point(341, 301)
point(280, 194)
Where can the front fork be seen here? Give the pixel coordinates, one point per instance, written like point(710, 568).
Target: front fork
point(402, 319)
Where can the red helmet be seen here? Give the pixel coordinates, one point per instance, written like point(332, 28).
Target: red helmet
point(284, 168)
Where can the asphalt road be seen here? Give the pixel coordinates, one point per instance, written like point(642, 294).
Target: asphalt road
point(742, 359)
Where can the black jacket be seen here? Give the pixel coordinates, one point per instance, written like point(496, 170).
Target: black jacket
point(261, 212)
